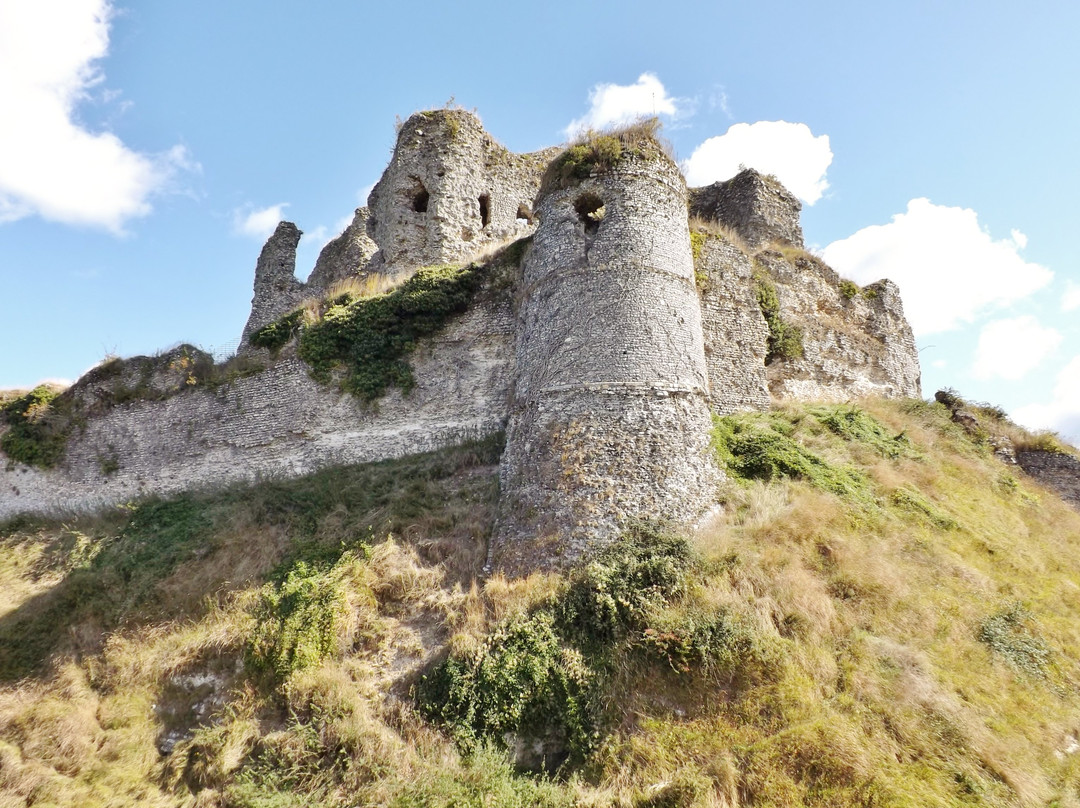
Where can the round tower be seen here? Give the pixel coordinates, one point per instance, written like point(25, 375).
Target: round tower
point(609, 419)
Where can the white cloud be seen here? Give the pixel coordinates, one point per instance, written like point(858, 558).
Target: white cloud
point(1071, 299)
point(614, 104)
point(259, 223)
point(1062, 414)
point(1010, 349)
point(948, 268)
point(50, 164)
point(788, 150)
point(940, 364)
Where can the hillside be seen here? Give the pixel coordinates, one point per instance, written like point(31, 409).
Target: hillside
point(883, 613)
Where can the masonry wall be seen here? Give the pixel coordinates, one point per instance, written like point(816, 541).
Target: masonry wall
point(610, 417)
point(449, 191)
point(755, 206)
point(736, 336)
point(279, 422)
point(1058, 472)
point(853, 346)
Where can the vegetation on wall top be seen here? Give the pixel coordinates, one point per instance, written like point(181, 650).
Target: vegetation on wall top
point(36, 432)
point(370, 337)
point(601, 151)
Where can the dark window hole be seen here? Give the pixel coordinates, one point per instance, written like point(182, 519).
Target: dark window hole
point(420, 200)
point(590, 210)
point(485, 209)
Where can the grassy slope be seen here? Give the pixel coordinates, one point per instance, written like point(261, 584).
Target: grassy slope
point(921, 604)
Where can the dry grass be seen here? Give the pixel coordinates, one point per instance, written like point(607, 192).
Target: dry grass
point(883, 693)
point(721, 231)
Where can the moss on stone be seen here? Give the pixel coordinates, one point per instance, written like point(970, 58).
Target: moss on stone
point(371, 338)
point(785, 340)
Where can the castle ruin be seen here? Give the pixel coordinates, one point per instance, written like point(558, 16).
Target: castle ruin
point(627, 310)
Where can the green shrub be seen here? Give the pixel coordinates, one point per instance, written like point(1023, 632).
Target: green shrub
point(36, 435)
point(720, 643)
point(524, 678)
point(785, 340)
point(1008, 635)
point(543, 674)
point(299, 621)
point(371, 337)
point(274, 336)
point(848, 289)
point(757, 448)
point(615, 592)
point(855, 425)
point(910, 499)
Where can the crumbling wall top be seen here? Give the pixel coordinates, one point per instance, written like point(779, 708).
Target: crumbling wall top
point(756, 206)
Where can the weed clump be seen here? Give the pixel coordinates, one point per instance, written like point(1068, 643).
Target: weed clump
point(1007, 634)
point(545, 674)
point(761, 448)
point(910, 499)
point(785, 340)
point(304, 619)
point(274, 336)
point(601, 151)
point(856, 425)
point(371, 337)
point(35, 436)
point(848, 289)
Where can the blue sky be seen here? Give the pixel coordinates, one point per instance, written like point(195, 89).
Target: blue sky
point(146, 148)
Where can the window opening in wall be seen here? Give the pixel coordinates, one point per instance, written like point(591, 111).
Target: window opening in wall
point(485, 209)
point(590, 210)
point(420, 200)
point(524, 215)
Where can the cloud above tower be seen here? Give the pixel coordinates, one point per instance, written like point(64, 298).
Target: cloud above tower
point(51, 163)
point(790, 151)
point(615, 104)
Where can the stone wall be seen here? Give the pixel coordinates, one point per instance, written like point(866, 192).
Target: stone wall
point(755, 206)
point(278, 422)
point(344, 257)
point(736, 335)
point(277, 291)
point(1058, 472)
point(854, 344)
point(602, 357)
point(449, 191)
point(609, 418)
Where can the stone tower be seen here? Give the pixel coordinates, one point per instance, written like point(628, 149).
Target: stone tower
point(609, 414)
point(450, 189)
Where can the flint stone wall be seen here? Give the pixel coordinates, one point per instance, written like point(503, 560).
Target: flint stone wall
point(1058, 472)
point(736, 335)
point(344, 257)
point(445, 163)
point(601, 362)
point(756, 207)
point(277, 291)
point(852, 347)
point(610, 419)
point(278, 423)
